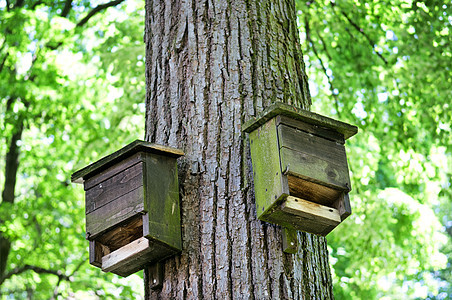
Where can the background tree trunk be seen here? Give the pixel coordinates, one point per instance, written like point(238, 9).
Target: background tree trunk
point(210, 66)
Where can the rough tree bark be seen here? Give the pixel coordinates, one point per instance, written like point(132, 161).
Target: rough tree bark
point(210, 66)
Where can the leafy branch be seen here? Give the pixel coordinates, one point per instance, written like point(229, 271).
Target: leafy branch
point(96, 10)
point(314, 49)
point(37, 270)
point(361, 31)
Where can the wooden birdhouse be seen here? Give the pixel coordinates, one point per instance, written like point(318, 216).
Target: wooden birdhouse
point(132, 207)
point(301, 178)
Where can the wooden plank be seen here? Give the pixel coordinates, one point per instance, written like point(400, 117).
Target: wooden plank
point(315, 169)
point(279, 108)
point(114, 187)
point(312, 191)
point(296, 222)
point(320, 213)
point(317, 130)
point(127, 151)
point(115, 212)
point(162, 200)
point(342, 204)
point(96, 252)
point(129, 264)
point(113, 170)
point(125, 255)
point(312, 145)
point(308, 143)
point(269, 183)
point(123, 233)
point(289, 240)
point(155, 273)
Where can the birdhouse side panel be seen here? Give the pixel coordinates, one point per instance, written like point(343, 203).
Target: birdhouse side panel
point(269, 183)
point(162, 200)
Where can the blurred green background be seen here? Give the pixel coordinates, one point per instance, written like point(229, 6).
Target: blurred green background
point(72, 91)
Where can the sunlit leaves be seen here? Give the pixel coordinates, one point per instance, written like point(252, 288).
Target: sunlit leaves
point(76, 106)
point(388, 67)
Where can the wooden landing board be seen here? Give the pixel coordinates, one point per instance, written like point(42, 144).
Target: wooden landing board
point(322, 214)
point(125, 255)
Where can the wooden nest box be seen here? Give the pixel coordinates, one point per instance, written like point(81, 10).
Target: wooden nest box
point(132, 207)
point(300, 170)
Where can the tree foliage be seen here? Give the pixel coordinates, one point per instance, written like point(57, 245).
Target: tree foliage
point(70, 92)
point(385, 66)
point(72, 88)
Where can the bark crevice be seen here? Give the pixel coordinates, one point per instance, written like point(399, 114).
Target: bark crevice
point(210, 66)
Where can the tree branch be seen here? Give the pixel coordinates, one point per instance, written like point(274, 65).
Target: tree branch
point(2, 64)
point(360, 30)
point(96, 10)
point(67, 8)
point(19, 3)
point(330, 80)
point(37, 270)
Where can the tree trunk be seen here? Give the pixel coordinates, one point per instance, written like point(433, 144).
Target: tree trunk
point(8, 193)
point(211, 66)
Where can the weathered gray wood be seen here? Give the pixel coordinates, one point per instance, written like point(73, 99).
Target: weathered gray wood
point(283, 109)
point(315, 169)
point(316, 130)
point(126, 255)
point(127, 151)
point(312, 145)
point(113, 170)
point(115, 212)
point(135, 255)
point(114, 187)
point(305, 223)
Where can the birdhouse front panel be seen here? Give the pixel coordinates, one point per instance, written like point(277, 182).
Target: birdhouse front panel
point(300, 171)
point(132, 207)
point(316, 166)
point(115, 195)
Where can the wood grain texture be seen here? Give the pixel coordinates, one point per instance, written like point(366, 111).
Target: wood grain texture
point(113, 170)
point(312, 145)
point(114, 187)
point(322, 214)
point(125, 255)
point(210, 67)
point(316, 130)
point(129, 150)
point(269, 182)
point(162, 200)
point(282, 109)
point(115, 212)
point(317, 170)
point(122, 234)
point(315, 192)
